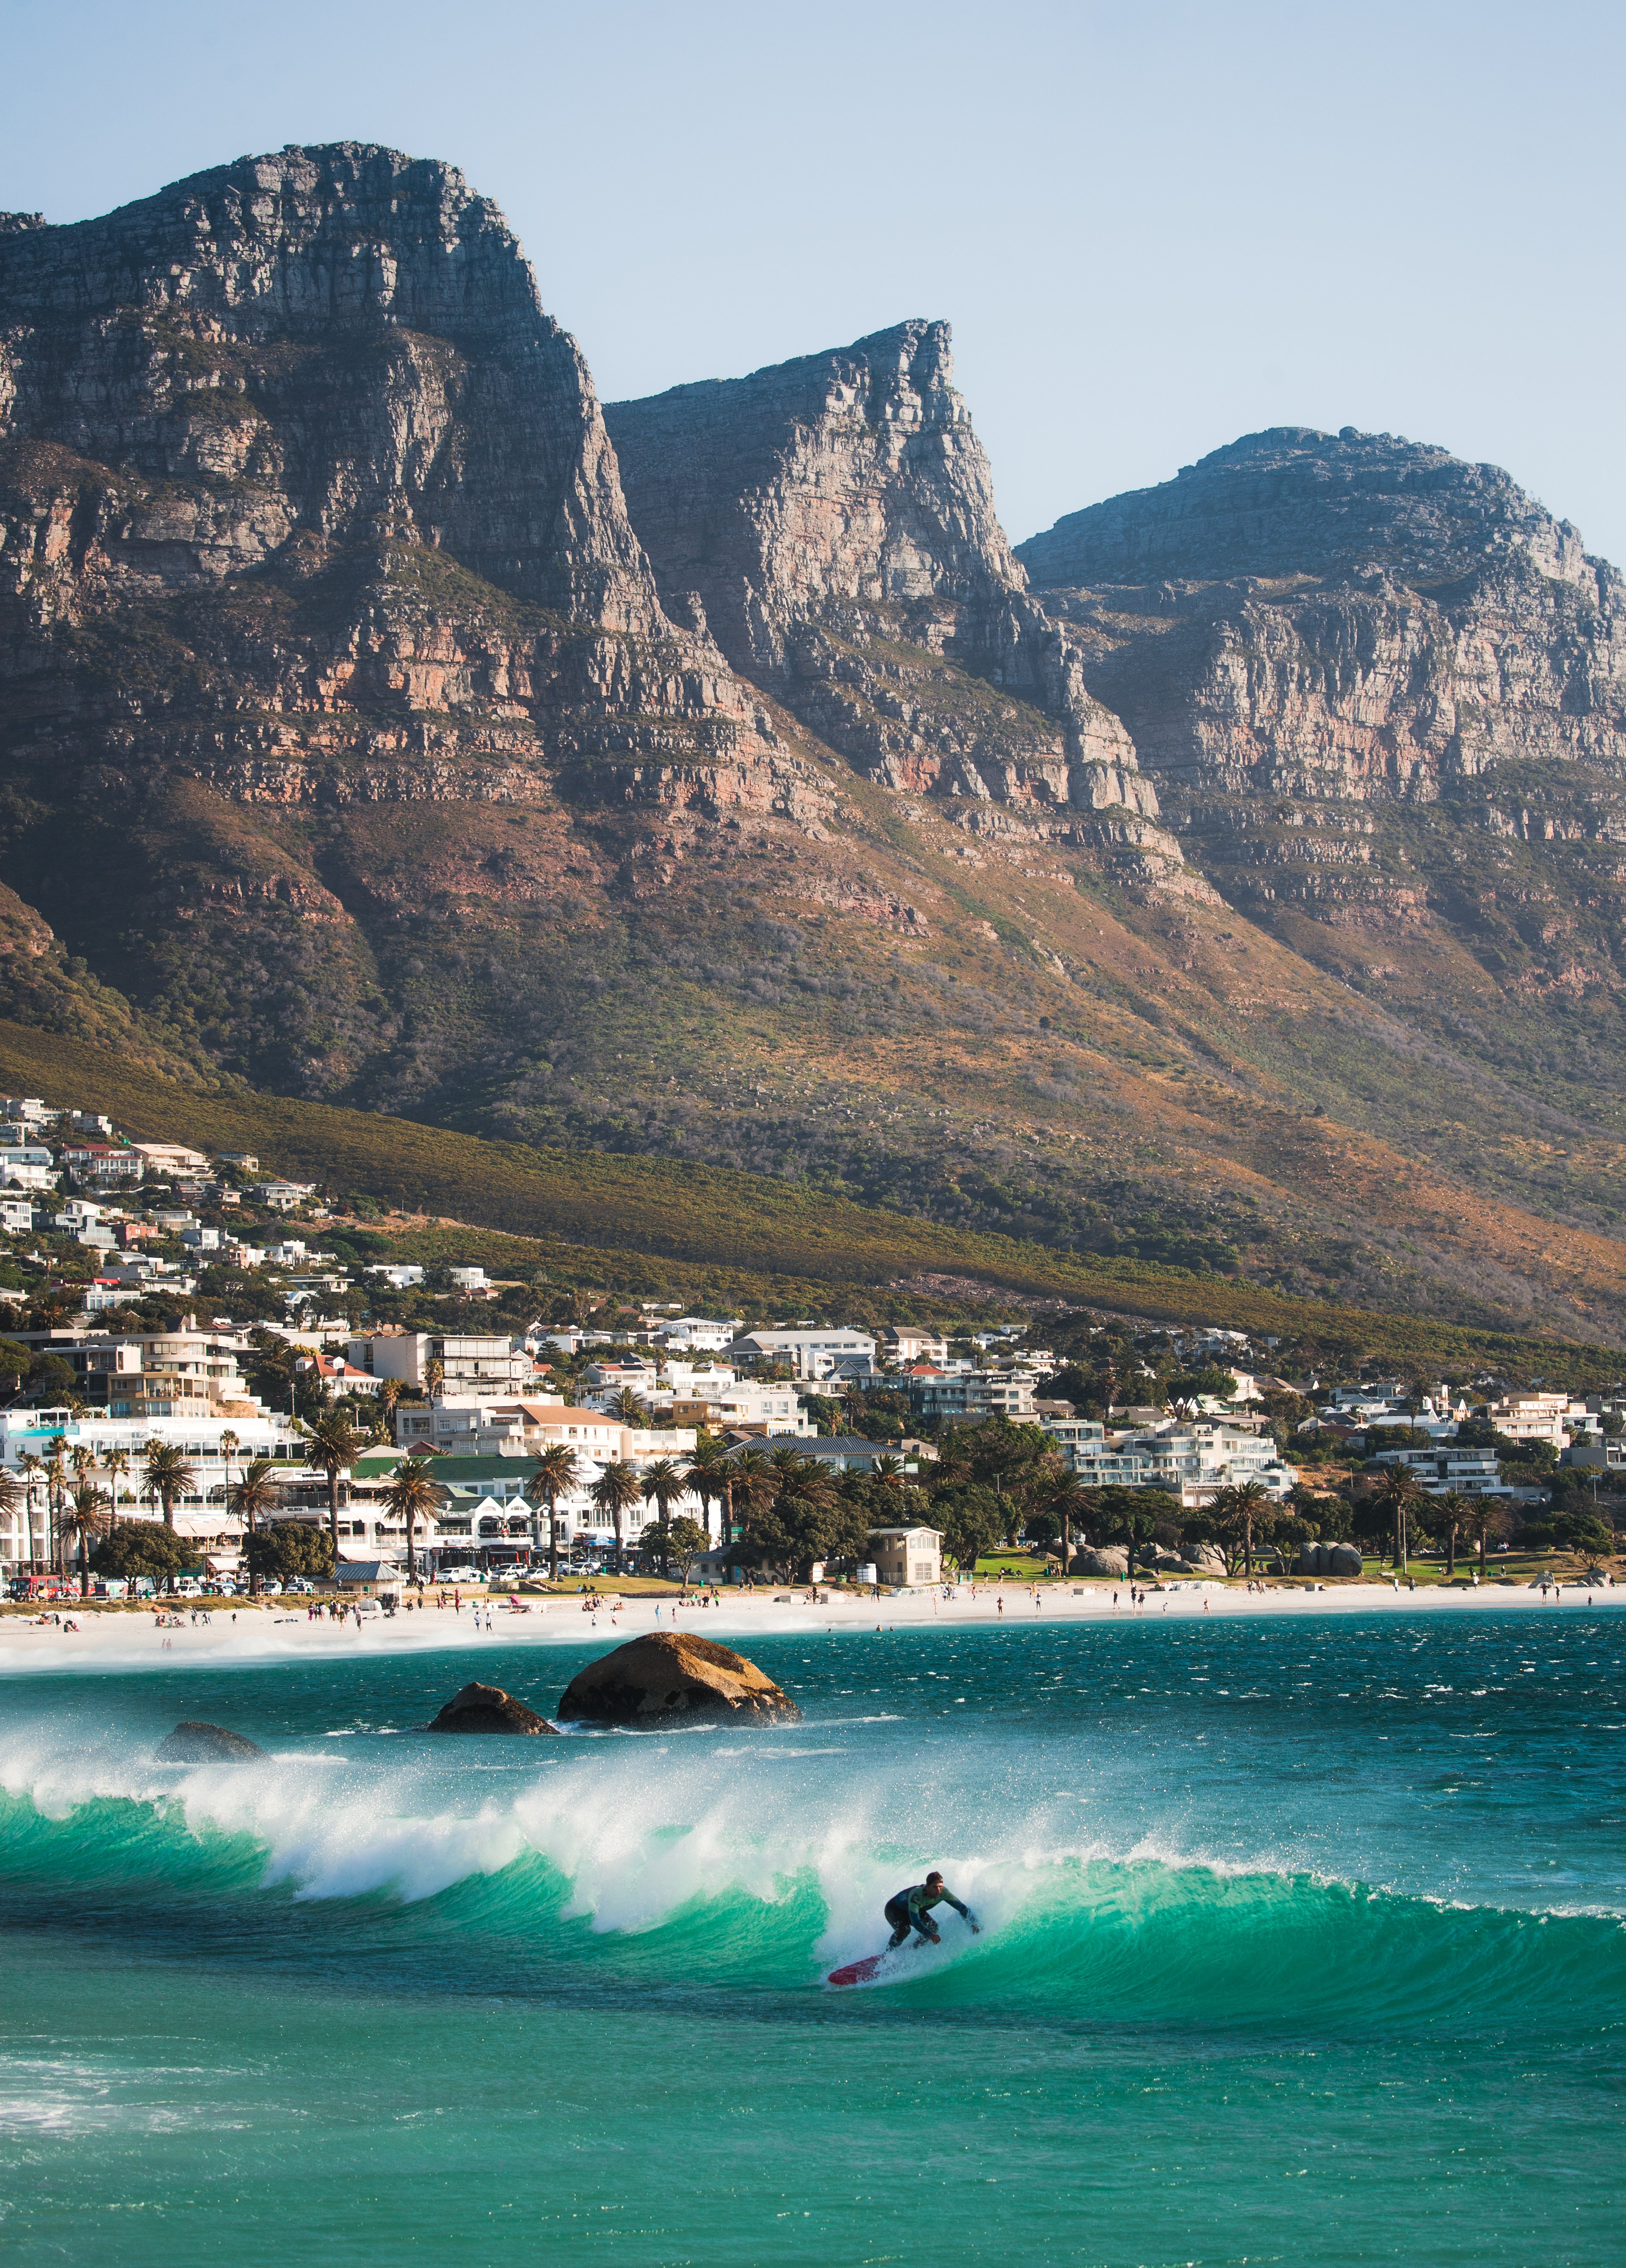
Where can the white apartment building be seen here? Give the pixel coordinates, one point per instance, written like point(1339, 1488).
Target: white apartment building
point(901, 1344)
point(814, 1350)
point(696, 1335)
point(469, 1425)
point(1539, 1418)
point(1445, 1466)
point(464, 1362)
point(24, 1167)
point(34, 1435)
point(1191, 1461)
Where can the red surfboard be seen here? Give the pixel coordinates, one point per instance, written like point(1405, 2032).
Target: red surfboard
point(857, 1972)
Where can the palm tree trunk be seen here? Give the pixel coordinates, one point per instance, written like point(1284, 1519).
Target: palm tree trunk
point(254, 1575)
point(333, 1517)
point(620, 1560)
point(553, 1535)
point(411, 1566)
point(1451, 1550)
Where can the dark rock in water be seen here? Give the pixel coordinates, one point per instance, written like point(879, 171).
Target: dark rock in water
point(488, 1709)
point(195, 1743)
point(673, 1674)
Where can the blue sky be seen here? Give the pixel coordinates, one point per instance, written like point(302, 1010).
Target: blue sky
point(1152, 227)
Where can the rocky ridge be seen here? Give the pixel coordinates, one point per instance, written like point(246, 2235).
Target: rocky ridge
point(1358, 667)
point(376, 742)
point(831, 519)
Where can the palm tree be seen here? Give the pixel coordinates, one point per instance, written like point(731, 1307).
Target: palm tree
point(249, 1499)
point(553, 1470)
point(332, 1445)
point(390, 1392)
point(1400, 1491)
point(1242, 1509)
point(31, 1467)
point(167, 1474)
point(84, 1516)
point(627, 1408)
point(663, 1485)
point(749, 1485)
point(1485, 1519)
point(707, 1474)
point(1066, 1498)
point(413, 1494)
point(10, 1492)
point(1455, 1509)
point(615, 1491)
point(116, 1465)
point(57, 1482)
point(229, 1445)
point(434, 1376)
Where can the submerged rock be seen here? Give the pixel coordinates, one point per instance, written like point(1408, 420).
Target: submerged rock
point(673, 1674)
point(193, 1742)
point(488, 1709)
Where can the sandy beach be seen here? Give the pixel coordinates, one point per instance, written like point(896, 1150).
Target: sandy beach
point(126, 1639)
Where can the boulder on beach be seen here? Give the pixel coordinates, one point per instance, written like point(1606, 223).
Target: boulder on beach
point(488, 1709)
point(1205, 1560)
point(1327, 1559)
point(1110, 1559)
point(673, 1674)
point(193, 1742)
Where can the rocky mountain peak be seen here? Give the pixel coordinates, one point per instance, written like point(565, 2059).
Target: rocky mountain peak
point(1295, 502)
point(832, 520)
point(849, 479)
point(211, 331)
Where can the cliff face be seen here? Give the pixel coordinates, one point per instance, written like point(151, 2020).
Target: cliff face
point(1360, 668)
point(307, 506)
point(343, 341)
point(1310, 613)
point(832, 520)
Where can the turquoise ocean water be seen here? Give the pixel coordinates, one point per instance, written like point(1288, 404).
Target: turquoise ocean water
point(1304, 1944)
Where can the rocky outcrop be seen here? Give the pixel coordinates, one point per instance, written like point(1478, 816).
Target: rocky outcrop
point(342, 339)
point(479, 1708)
point(832, 522)
point(1105, 1559)
point(1309, 614)
point(1341, 1559)
point(194, 1742)
point(673, 1674)
point(1313, 637)
point(306, 504)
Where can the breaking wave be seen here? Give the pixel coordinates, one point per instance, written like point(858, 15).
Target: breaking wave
point(632, 1867)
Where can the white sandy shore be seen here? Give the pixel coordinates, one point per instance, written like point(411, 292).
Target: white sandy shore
point(119, 1641)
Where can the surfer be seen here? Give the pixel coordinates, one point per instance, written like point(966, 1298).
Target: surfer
point(911, 1909)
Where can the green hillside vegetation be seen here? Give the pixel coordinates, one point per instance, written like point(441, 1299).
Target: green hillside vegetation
point(639, 1222)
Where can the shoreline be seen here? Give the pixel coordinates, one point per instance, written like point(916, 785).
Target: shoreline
point(126, 1638)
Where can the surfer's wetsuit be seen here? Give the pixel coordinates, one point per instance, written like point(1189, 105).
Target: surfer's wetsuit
point(911, 1909)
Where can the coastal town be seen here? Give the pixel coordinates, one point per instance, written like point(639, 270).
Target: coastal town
point(212, 1388)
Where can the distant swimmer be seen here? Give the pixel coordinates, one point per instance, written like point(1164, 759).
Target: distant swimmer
point(911, 1909)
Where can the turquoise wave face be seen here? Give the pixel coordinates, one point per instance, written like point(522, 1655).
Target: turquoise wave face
point(1349, 1897)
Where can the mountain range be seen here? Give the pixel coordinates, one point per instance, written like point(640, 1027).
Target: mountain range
point(1230, 875)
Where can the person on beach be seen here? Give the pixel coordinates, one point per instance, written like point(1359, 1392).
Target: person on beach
point(911, 1909)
